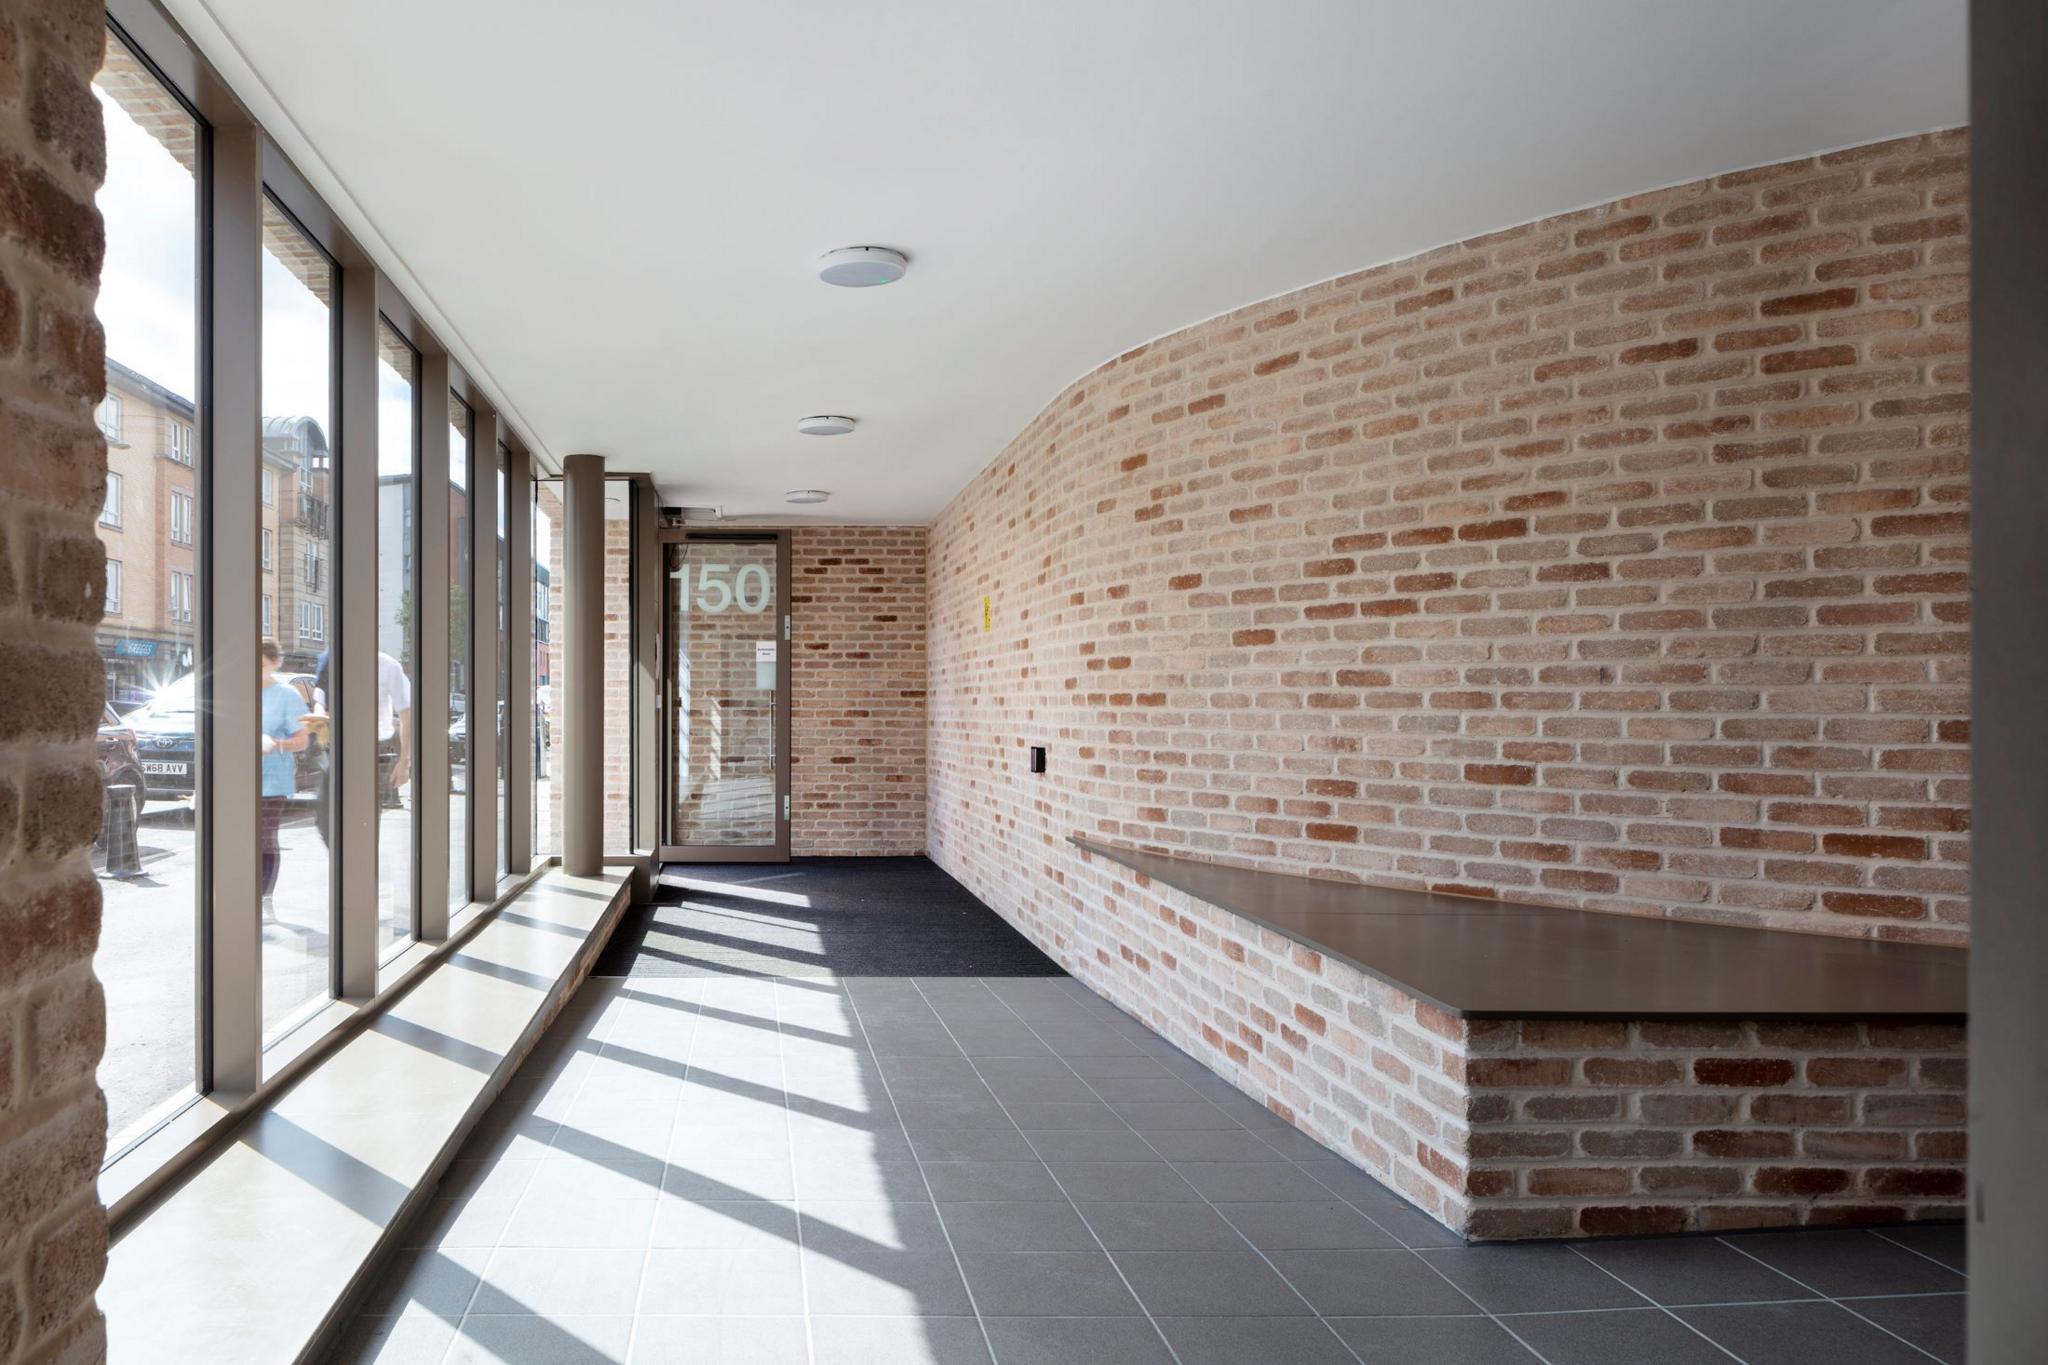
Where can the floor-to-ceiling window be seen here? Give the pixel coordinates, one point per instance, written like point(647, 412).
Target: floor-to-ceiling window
point(150, 751)
point(502, 862)
point(547, 665)
point(398, 427)
point(297, 572)
point(461, 489)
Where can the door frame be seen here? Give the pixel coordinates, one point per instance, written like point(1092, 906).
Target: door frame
point(666, 850)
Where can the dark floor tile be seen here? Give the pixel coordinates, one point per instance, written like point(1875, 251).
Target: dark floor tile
point(1007, 1226)
point(925, 1115)
point(1531, 1278)
point(566, 1340)
point(1067, 1089)
point(1208, 1284)
point(1212, 1144)
point(1161, 1227)
point(1076, 1341)
point(971, 1144)
point(1054, 1116)
point(884, 1283)
point(1368, 1283)
point(1127, 1182)
point(1152, 1089)
point(1149, 1116)
point(1685, 1270)
point(1431, 1341)
point(1327, 1225)
point(961, 1181)
point(1628, 1336)
point(1251, 1181)
point(1093, 1067)
point(1800, 1334)
point(1058, 1284)
point(1843, 1264)
point(1086, 1145)
point(1933, 1322)
point(1947, 1243)
point(1255, 1341)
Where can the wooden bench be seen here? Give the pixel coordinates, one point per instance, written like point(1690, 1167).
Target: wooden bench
point(1536, 1071)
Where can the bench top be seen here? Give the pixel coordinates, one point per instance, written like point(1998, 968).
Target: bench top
point(1485, 959)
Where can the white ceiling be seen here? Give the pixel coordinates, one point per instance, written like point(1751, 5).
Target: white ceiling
point(611, 209)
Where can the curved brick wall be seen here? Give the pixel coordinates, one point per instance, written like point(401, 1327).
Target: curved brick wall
point(1616, 560)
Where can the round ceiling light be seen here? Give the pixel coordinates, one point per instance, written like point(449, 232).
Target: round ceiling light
point(825, 426)
point(806, 495)
point(860, 267)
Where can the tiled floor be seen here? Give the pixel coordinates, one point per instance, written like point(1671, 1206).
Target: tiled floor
point(738, 1165)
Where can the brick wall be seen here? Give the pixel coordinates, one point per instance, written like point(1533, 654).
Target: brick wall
point(858, 671)
point(52, 482)
point(1615, 560)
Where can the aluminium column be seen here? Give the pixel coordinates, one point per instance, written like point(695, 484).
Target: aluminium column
point(583, 665)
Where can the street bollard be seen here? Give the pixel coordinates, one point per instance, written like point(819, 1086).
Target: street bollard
point(118, 832)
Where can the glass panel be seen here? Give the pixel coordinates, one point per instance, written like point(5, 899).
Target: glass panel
point(720, 599)
point(148, 857)
point(297, 571)
point(504, 665)
point(547, 664)
point(618, 666)
point(459, 558)
point(397, 477)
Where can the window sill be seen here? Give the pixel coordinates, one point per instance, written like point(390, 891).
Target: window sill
point(266, 1211)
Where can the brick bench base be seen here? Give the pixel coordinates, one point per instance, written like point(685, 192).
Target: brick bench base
point(1538, 1128)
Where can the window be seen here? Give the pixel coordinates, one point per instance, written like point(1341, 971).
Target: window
point(398, 428)
point(547, 665)
point(147, 958)
point(181, 517)
point(460, 486)
point(179, 446)
point(299, 923)
point(504, 663)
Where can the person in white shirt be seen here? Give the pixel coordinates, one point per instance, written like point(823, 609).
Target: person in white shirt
point(394, 733)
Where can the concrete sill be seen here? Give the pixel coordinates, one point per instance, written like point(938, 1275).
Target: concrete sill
point(256, 1248)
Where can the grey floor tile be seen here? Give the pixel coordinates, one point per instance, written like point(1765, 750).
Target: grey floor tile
point(960, 1181)
point(1947, 1243)
point(830, 1226)
point(728, 1175)
point(1368, 1283)
point(1251, 1181)
point(1812, 1333)
point(1316, 1225)
point(1214, 1144)
point(1164, 1116)
point(1420, 1340)
point(1092, 1068)
point(555, 1222)
point(1627, 1336)
point(559, 1340)
point(1933, 1322)
point(1208, 1284)
point(1067, 1089)
point(1161, 1227)
point(1531, 1278)
point(416, 1339)
point(1687, 1270)
point(1049, 1116)
point(901, 1341)
point(719, 1341)
point(1845, 1264)
point(437, 1281)
point(560, 1283)
point(885, 1283)
point(573, 1178)
point(1152, 1089)
point(972, 1144)
point(750, 1282)
point(1119, 1144)
point(1129, 1182)
point(1047, 1340)
point(1255, 1341)
point(452, 1223)
point(924, 1115)
point(708, 1225)
point(826, 1176)
point(1029, 1226)
point(1057, 1284)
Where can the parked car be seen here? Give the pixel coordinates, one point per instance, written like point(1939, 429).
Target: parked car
point(164, 727)
point(119, 763)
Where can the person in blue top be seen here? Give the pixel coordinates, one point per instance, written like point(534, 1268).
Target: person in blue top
point(284, 734)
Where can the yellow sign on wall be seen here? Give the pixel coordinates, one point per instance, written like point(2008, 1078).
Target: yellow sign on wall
point(986, 617)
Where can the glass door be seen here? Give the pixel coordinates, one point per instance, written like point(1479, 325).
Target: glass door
point(725, 696)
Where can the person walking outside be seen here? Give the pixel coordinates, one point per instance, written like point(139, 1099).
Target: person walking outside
point(285, 732)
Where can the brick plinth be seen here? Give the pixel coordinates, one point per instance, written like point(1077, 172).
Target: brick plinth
point(53, 461)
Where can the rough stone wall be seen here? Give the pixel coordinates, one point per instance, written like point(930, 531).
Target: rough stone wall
point(858, 673)
point(53, 464)
point(1616, 560)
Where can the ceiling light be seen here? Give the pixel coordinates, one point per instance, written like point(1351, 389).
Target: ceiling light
point(825, 426)
point(806, 495)
point(858, 267)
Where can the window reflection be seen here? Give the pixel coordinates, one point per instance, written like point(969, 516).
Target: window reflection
point(397, 632)
point(459, 596)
